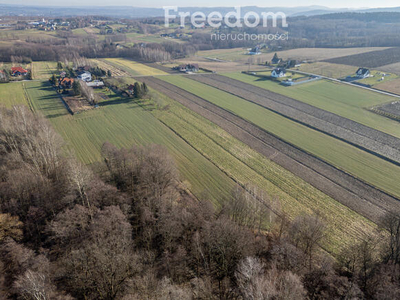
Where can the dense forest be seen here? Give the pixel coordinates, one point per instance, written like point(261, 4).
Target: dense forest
point(126, 228)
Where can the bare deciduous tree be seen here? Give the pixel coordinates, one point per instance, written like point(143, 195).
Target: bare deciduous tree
point(306, 232)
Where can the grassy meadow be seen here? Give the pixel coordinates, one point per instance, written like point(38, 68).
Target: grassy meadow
point(43, 70)
point(12, 94)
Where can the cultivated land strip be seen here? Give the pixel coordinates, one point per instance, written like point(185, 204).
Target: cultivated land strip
point(367, 138)
point(348, 190)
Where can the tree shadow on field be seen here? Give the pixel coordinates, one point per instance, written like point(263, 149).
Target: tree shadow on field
point(115, 101)
point(50, 103)
point(267, 79)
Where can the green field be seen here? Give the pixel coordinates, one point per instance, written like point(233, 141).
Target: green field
point(12, 94)
point(145, 38)
point(345, 100)
point(6, 35)
point(133, 68)
point(43, 70)
point(126, 124)
point(247, 166)
point(346, 157)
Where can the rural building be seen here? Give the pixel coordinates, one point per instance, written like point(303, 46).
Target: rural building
point(255, 51)
point(189, 68)
point(95, 84)
point(86, 76)
point(130, 90)
point(278, 73)
point(18, 71)
point(363, 73)
point(65, 83)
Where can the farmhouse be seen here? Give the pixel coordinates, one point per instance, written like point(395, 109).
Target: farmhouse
point(18, 71)
point(363, 73)
point(278, 73)
point(255, 51)
point(86, 76)
point(189, 68)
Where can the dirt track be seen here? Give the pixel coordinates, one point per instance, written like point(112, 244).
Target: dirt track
point(350, 191)
point(369, 139)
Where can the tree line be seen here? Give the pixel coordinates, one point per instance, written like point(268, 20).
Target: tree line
point(126, 228)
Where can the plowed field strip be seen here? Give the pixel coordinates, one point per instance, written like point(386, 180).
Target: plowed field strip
point(366, 138)
point(352, 192)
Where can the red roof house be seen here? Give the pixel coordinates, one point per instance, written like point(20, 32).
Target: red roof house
point(18, 71)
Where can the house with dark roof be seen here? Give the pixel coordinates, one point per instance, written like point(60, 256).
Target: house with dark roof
point(255, 51)
point(18, 71)
point(363, 73)
point(278, 73)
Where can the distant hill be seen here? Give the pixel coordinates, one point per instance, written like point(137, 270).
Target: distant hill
point(138, 12)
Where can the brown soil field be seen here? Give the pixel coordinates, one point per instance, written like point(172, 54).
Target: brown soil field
point(348, 190)
point(328, 69)
point(364, 137)
point(392, 86)
point(220, 66)
point(393, 68)
point(374, 59)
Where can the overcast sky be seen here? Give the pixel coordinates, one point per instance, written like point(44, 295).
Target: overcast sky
point(209, 3)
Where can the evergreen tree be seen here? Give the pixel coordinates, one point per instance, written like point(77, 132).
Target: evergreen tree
point(76, 87)
point(137, 89)
point(53, 79)
point(145, 89)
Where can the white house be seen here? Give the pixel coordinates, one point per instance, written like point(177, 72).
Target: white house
point(86, 76)
point(363, 73)
point(278, 73)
